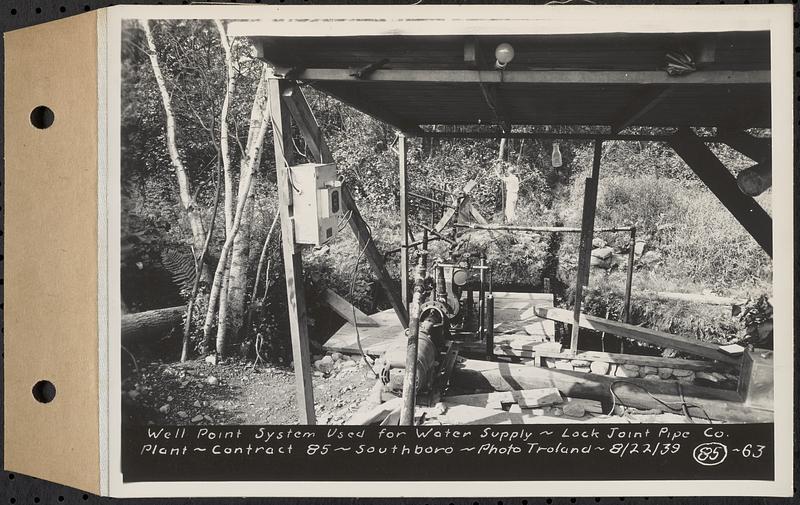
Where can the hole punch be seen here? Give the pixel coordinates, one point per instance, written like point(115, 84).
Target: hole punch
point(42, 117)
point(44, 391)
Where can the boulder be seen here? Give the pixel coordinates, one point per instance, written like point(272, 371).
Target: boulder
point(164, 409)
point(664, 372)
point(629, 371)
point(603, 253)
point(651, 257)
point(574, 410)
point(336, 356)
point(550, 362)
point(580, 363)
point(652, 377)
point(564, 364)
point(211, 359)
point(687, 378)
point(197, 418)
point(599, 367)
point(597, 242)
point(679, 372)
point(648, 370)
point(212, 380)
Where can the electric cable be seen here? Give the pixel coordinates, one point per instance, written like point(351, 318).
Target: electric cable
point(352, 305)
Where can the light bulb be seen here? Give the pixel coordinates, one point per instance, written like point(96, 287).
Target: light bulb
point(504, 53)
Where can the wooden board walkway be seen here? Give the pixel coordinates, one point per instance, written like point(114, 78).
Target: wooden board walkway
point(375, 340)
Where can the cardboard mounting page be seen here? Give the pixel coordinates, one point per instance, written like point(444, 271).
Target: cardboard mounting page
point(63, 190)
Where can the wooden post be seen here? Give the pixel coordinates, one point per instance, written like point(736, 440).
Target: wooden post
point(297, 104)
point(292, 259)
point(402, 152)
point(585, 246)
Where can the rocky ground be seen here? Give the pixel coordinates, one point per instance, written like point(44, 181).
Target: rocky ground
point(234, 392)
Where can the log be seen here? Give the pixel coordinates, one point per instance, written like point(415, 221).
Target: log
point(346, 310)
point(719, 404)
point(755, 180)
point(151, 324)
point(634, 359)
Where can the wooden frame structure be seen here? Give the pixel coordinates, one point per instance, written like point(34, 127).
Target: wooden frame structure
point(411, 79)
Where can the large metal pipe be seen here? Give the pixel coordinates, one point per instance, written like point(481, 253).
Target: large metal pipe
point(629, 280)
point(412, 346)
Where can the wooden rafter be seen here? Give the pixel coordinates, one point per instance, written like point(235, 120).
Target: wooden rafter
point(722, 183)
point(757, 149)
point(640, 106)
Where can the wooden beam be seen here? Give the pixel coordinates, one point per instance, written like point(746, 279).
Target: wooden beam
point(382, 115)
point(346, 310)
point(633, 359)
point(647, 335)
point(497, 134)
point(720, 404)
point(292, 257)
point(374, 256)
point(640, 106)
point(720, 181)
point(451, 211)
point(402, 153)
point(710, 77)
point(757, 149)
point(298, 105)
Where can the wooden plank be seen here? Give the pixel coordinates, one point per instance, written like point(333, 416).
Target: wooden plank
point(345, 309)
point(757, 149)
point(653, 337)
point(375, 340)
point(654, 361)
point(309, 128)
point(629, 77)
point(721, 182)
point(526, 399)
point(527, 351)
point(293, 260)
point(720, 404)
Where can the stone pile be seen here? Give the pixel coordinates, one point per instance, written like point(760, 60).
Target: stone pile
point(632, 371)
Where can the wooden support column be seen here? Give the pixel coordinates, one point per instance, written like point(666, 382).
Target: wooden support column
point(402, 152)
point(587, 234)
point(292, 259)
point(301, 112)
point(722, 183)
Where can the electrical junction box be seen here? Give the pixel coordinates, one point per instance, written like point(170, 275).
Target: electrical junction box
point(317, 202)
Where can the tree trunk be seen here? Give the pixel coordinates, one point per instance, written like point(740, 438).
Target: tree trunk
point(241, 245)
point(245, 184)
point(184, 189)
point(150, 325)
point(224, 148)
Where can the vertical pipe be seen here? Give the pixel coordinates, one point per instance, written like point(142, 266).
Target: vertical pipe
point(482, 300)
point(629, 281)
point(585, 246)
point(401, 151)
point(412, 346)
point(490, 327)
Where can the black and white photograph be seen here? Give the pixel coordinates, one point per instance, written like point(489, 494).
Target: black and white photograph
point(459, 220)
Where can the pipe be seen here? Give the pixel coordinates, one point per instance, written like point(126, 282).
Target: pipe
point(540, 229)
point(629, 280)
point(409, 380)
point(489, 327)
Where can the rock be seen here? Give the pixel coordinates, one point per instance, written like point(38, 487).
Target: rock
point(652, 377)
point(317, 373)
point(599, 367)
point(720, 376)
point(336, 356)
point(563, 364)
point(686, 378)
point(557, 411)
point(325, 365)
point(515, 409)
point(169, 398)
point(648, 370)
point(580, 363)
point(597, 242)
point(603, 253)
point(664, 372)
point(706, 377)
point(212, 380)
point(197, 403)
point(197, 418)
point(679, 372)
point(550, 362)
point(164, 409)
point(638, 248)
point(182, 414)
point(651, 257)
point(574, 410)
point(212, 359)
point(732, 377)
point(208, 418)
point(600, 262)
point(629, 371)
point(348, 364)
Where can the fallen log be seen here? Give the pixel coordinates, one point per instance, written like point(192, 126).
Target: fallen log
point(755, 180)
point(719, 404)
point(151, 324)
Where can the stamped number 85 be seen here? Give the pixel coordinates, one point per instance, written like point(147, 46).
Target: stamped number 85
point(710, 453)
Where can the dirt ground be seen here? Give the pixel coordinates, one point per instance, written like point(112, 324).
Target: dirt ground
point(234, 392)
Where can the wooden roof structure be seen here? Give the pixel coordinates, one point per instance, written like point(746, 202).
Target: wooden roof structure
point(410, 77)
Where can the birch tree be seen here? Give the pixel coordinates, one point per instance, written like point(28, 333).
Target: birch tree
point(184, 188)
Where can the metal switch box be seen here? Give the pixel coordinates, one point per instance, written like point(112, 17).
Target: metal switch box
point(317, 202)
